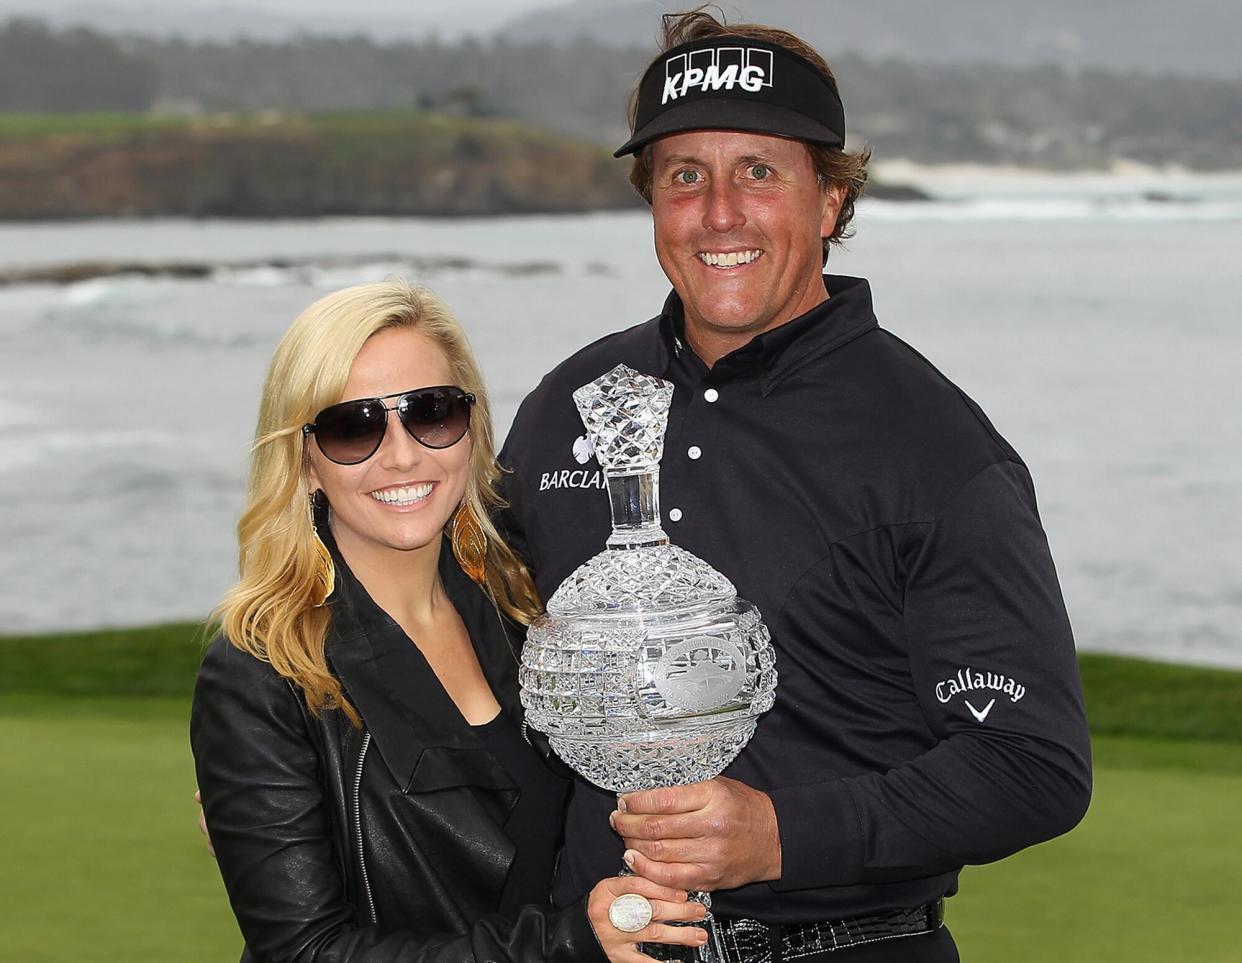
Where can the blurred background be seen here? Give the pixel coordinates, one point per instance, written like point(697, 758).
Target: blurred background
point(1055, 221)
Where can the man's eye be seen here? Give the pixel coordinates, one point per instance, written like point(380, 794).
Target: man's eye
point(759, 171)
point(686, 177)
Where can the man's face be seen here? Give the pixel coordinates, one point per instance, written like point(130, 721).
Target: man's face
point(739, 225)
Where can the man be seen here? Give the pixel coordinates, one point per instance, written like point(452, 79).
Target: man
point(929, 712)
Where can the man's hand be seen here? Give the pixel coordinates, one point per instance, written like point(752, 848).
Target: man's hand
point(711, 835)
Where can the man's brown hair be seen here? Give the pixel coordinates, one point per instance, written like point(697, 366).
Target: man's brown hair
point(834, 167)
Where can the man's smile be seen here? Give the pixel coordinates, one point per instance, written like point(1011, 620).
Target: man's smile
point(729, 259)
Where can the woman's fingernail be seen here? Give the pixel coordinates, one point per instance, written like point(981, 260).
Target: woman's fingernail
point(628, 858)
point(612, 818)
point(621, 804)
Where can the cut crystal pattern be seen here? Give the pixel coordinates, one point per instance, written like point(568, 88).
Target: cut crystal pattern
point(648, 670)
point(652, 577)
point(625, 414)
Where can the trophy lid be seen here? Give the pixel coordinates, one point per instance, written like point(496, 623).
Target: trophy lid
point(625, 413)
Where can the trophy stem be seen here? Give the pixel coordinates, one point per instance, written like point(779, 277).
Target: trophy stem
point(711, 951)
point(635, 501)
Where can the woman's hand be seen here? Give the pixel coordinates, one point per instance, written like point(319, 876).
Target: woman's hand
point(667, 905)
point(202, 824)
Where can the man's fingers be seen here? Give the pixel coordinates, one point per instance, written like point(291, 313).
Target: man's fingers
point(674, 826)
point(670, 850)
point(669, 799)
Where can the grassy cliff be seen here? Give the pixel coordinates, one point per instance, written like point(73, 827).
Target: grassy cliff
point(266, 165)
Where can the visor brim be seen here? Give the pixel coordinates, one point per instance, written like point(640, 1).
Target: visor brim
point(720, 113)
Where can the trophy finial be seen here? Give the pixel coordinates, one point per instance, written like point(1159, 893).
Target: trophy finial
point(626, 413)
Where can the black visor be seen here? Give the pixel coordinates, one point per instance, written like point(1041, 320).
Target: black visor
point(734, 83)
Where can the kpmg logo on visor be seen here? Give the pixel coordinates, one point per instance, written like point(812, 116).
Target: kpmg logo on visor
point(717, 68)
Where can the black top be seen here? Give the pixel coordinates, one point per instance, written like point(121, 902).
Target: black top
point(388, 842)
point(536, 820)
point(928, 712)
point(530, 807)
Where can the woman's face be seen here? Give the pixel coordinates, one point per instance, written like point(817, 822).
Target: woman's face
point(401, 497)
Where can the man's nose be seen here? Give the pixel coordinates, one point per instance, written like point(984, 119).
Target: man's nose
point(724, 209)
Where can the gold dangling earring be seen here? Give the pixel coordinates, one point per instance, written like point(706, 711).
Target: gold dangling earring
point(469, 544)
point(325, 570)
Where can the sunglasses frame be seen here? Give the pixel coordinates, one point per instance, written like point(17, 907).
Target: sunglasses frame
point(465, 396)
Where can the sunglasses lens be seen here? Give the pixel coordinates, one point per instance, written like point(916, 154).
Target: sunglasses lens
point(350, 433)
point(438, 417)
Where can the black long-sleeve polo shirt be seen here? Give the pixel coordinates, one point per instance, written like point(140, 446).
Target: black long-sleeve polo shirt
point(928, 712)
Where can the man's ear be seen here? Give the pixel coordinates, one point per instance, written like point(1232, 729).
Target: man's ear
point(834, 197)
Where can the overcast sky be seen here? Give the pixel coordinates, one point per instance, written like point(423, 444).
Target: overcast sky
point(449, 18)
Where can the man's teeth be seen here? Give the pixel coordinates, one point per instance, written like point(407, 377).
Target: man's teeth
point(732, 259)
point(403, 496)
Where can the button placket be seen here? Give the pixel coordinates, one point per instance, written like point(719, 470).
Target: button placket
point(710, 396)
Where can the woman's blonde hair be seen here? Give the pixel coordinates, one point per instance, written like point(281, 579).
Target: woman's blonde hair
point(270, 612)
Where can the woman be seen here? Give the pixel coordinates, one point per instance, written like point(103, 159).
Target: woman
point(356, 725)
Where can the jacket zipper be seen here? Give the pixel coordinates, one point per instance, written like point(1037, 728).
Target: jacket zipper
point(362, 861)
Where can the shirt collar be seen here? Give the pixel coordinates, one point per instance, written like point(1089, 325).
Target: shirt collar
point(845, 315)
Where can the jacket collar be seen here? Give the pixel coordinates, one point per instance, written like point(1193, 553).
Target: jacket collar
point(780, 352)
point(423, 738)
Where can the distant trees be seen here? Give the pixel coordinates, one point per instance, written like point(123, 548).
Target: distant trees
point(1045, 116)
point(73, 70)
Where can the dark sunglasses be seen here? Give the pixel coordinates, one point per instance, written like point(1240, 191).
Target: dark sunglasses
point(351, 432)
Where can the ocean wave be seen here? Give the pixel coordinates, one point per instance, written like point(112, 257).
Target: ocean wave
point(1155, 208)
point(14, 414)
point(164, 330)
point(19, 450)
point(265, 272)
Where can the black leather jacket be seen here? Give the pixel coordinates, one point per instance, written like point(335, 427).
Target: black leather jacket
point(382, 844)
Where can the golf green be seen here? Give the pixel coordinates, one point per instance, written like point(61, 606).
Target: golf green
point(103, 861)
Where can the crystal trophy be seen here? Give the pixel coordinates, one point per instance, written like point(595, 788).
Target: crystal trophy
point(647, 669)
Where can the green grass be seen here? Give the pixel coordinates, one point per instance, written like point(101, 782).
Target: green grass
point(107, 125)
point(158, 660)
point(419, 130)
point(1142, 698)
point(1152, 873)
point(102, 860)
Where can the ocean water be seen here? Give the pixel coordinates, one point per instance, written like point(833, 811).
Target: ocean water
point(1097, 326)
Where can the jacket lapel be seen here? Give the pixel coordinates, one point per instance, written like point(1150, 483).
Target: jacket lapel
point(424, 740)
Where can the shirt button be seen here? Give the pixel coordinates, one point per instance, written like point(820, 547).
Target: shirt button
point(695, 452)
point(674, 514)
point(710, 396)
